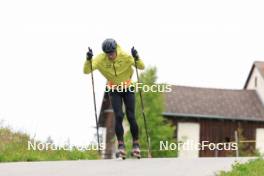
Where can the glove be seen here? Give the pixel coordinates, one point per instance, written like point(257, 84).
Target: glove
point(89, 54)
point(134, 53)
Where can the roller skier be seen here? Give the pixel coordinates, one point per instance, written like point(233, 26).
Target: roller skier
point(116, 66)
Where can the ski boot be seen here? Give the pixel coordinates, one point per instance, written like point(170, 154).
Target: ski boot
point(136, 151)
point(121, 153)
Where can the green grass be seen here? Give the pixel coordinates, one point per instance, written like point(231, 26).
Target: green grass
point(14, 147)
point(251, 168)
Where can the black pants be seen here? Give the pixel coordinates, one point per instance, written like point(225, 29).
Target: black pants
point(117, 99)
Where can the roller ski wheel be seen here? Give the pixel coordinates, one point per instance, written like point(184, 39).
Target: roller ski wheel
point(120, 156)
point(121, 153)
point(136, 153)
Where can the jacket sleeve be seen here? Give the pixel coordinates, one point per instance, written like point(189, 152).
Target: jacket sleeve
point(87, 66)
point(139, 62)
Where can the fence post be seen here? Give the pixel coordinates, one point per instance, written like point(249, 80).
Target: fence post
point(237, 141)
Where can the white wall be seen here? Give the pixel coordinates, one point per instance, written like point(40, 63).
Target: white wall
point(260, 83)
point(260, 140)
point(260, 91)
point(188, 133)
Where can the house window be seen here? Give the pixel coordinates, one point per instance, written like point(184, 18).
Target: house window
point(256, 82)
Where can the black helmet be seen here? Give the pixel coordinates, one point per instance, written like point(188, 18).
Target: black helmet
point(109, 45)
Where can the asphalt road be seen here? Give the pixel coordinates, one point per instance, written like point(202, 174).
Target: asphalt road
point(129, 167)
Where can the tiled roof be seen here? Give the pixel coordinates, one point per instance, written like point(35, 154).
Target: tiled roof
point(213, 103)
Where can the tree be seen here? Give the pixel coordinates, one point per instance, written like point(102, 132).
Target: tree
point(159, 128)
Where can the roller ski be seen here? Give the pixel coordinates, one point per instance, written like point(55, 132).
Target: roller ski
point(136, 151)
point(121, 153)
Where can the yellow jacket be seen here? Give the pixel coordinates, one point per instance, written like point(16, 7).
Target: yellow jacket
point(116, 71)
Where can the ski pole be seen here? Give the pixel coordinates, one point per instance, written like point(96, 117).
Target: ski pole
point(95, 109)
point(143, 114)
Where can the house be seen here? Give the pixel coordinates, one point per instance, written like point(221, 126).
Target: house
point(202, 114)
point(206, 114)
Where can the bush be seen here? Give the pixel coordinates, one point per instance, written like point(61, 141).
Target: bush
point(14, 147)
point(251, 168)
